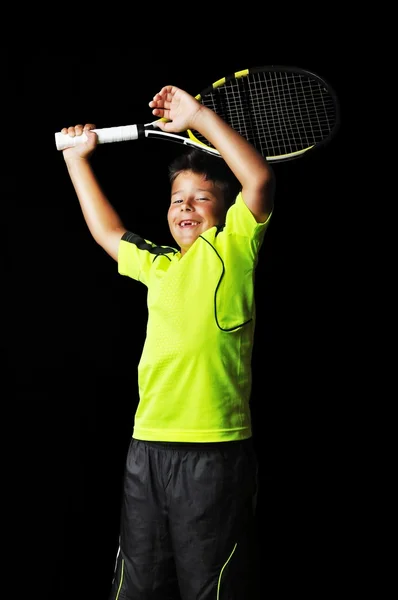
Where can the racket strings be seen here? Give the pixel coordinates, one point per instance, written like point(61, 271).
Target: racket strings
point(280, 113)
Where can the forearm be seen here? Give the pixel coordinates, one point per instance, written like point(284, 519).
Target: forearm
point(245, 162)
point(248, 165)
point(99, 214)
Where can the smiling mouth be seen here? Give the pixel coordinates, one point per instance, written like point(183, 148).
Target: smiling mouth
point(188, 223)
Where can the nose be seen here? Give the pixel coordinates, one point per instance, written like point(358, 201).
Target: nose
point(186, 206)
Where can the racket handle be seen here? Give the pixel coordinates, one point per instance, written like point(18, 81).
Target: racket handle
point(106, 135)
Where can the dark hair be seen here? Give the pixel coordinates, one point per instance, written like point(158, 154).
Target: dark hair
point(214, 169)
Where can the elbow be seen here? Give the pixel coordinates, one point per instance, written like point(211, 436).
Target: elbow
point(264, 182)
point(267, 177)
point(265, 186)
point(264, 194)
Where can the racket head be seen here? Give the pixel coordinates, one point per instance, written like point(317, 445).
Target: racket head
point(284, 111)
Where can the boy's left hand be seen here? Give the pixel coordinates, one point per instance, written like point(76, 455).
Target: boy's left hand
point(177, 106)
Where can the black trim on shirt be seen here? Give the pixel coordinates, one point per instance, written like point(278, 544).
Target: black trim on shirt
point(215, 294)
point(133, 238)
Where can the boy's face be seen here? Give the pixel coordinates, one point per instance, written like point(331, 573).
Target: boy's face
point(196, 205)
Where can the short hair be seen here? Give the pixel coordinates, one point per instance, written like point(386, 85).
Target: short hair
point(214, 169)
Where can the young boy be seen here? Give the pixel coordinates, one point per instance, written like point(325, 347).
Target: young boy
point(191, 471)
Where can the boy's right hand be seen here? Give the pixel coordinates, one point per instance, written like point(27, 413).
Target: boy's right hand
point(85, 149)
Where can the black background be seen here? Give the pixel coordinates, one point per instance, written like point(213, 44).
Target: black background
point(77, 327)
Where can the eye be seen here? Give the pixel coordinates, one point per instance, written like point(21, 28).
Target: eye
point(176, 201)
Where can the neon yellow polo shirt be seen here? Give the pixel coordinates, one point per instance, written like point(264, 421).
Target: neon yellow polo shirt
point(194, 375)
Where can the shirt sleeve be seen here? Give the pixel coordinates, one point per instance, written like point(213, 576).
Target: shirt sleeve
point(241, 222)
point(135, 257)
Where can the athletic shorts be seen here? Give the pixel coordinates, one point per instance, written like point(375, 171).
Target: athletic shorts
point(187, 522)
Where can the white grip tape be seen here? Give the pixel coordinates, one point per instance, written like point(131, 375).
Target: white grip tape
point(106, 135)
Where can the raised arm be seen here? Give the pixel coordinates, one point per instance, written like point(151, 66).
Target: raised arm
point(102, 220)
point(253, 171)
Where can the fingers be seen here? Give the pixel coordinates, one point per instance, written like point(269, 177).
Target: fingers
point(166, 92)
point(160, 112)
point(163, 98)
point(159, 102)
point(159, 105)
point(77, 129)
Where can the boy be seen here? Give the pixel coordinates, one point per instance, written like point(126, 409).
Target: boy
point(191, 471)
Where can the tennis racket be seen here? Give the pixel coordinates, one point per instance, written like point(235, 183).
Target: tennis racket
point(283, 111)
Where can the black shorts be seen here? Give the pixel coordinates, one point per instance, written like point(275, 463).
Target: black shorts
point(187, 522)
